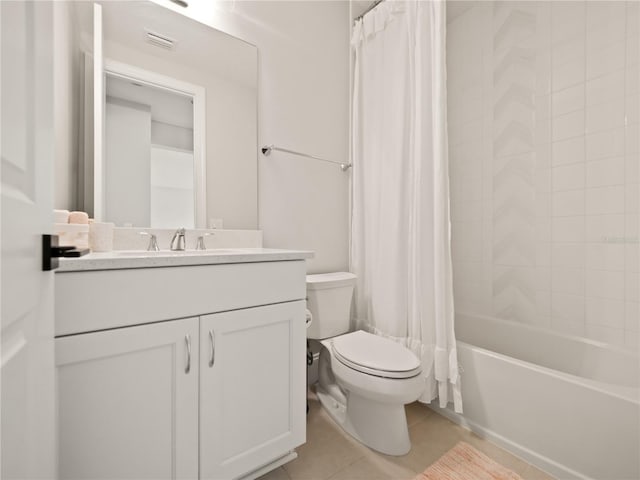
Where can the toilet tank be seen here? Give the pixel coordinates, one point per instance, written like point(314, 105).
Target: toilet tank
point(329, 300)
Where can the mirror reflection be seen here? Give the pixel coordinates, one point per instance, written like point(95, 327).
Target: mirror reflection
point(148, 155)
point(180, 123)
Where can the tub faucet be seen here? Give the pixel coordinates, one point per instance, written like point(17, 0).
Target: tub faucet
point(177, 242)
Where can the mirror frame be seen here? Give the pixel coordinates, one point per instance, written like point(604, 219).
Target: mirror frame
point(122, 70)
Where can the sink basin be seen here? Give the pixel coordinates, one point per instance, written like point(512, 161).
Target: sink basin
point(171, 253)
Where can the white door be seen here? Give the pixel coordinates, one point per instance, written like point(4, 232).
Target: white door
point(252, 388)
point(128, 402)
point(26, 334)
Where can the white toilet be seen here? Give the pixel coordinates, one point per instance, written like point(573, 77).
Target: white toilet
point(364, 380)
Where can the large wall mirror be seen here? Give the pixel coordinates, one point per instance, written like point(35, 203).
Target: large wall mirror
point(179, 122)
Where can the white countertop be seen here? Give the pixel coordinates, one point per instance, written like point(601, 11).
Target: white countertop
point(124, 259)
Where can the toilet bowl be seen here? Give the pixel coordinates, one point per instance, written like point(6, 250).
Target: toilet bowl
point(364, 380)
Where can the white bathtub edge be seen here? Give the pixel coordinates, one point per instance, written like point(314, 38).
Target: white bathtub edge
point(541, 462)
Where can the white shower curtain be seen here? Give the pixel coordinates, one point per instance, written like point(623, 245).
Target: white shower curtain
point(400, 243)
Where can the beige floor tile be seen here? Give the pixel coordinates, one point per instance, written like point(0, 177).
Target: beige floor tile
point(374, 468)
point(331, 453)
point(532, 473)
point(278, 474)
point(416, 412)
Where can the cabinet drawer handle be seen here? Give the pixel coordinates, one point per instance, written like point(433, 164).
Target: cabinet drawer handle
point(187, 341)
point(212, 341)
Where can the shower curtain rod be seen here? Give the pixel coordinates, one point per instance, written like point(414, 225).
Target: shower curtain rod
point(269, 148)
point(369, 8)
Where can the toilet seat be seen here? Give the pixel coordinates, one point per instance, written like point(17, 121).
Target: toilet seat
point(375, 355)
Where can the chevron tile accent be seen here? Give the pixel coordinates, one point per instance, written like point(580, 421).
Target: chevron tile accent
point(514, 201)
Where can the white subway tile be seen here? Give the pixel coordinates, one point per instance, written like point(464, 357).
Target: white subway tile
point(605, 312)
point(568, 126)
point(632, 199)
point(605, 12)
point(568, 177)
point(632, 340)
point(632, 168)
point(568, 100)
point(601, 227)
point(543, 106)
point(605, 284)
point(632, 109)
point(567, 307)
point(605, 116)
point(568, 74)
point(567, 51)
point(568, 229)
point(605, 33)
point(632, 138)
point(632, 254)
point(567, 280)
point(568, 203)
point(605, 88)
point(632, 316)
point(604, 60)
point(543, 304)
point(543, 180)
point(632, 80)
point(605, 172)
point(569, 255)
point(632, 287)
point(567, 20)
point(543, 254)
point(613, 336)
point(610, 143)
point(605, 200)
point(570, 151)
point(543, 229)
point(543, 204)
point(631, 227)
point(633, 50)
point(605, 256)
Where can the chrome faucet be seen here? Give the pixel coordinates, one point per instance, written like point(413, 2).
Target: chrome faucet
point(177, 242)
point(153, 242)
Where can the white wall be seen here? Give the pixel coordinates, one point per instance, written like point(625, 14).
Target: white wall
point(544, 143)
point(303, 104)
point(127, 163)
point(66, 105)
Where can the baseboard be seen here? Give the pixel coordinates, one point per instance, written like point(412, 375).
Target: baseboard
point(545, 464)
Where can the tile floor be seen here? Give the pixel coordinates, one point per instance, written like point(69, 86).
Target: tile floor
point(332, 454)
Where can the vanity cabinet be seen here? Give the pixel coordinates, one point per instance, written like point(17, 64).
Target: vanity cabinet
point(249, 393)
point(128, 402)
point(214, 395)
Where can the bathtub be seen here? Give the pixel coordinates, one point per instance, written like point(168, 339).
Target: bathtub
point(568, 405)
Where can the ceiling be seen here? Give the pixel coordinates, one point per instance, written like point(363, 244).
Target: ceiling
point(166, 106)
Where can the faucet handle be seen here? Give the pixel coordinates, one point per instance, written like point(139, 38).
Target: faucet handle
point(200, 243)
point(153, 242)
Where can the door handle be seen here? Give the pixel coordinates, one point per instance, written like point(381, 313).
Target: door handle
point(187, 341)
point(212, 342)
point(51, 251)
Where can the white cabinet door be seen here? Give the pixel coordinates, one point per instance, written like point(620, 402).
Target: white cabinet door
point(252, 388)
point(128, 402)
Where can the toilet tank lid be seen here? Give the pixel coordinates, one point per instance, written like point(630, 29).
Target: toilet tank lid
point(329, 280)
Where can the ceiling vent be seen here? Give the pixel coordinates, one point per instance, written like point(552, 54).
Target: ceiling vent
point(159, 40)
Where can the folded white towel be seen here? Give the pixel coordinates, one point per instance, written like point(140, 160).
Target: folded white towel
point(61, 216)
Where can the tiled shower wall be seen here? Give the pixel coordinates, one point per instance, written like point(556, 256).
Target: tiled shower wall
point(543, 107)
